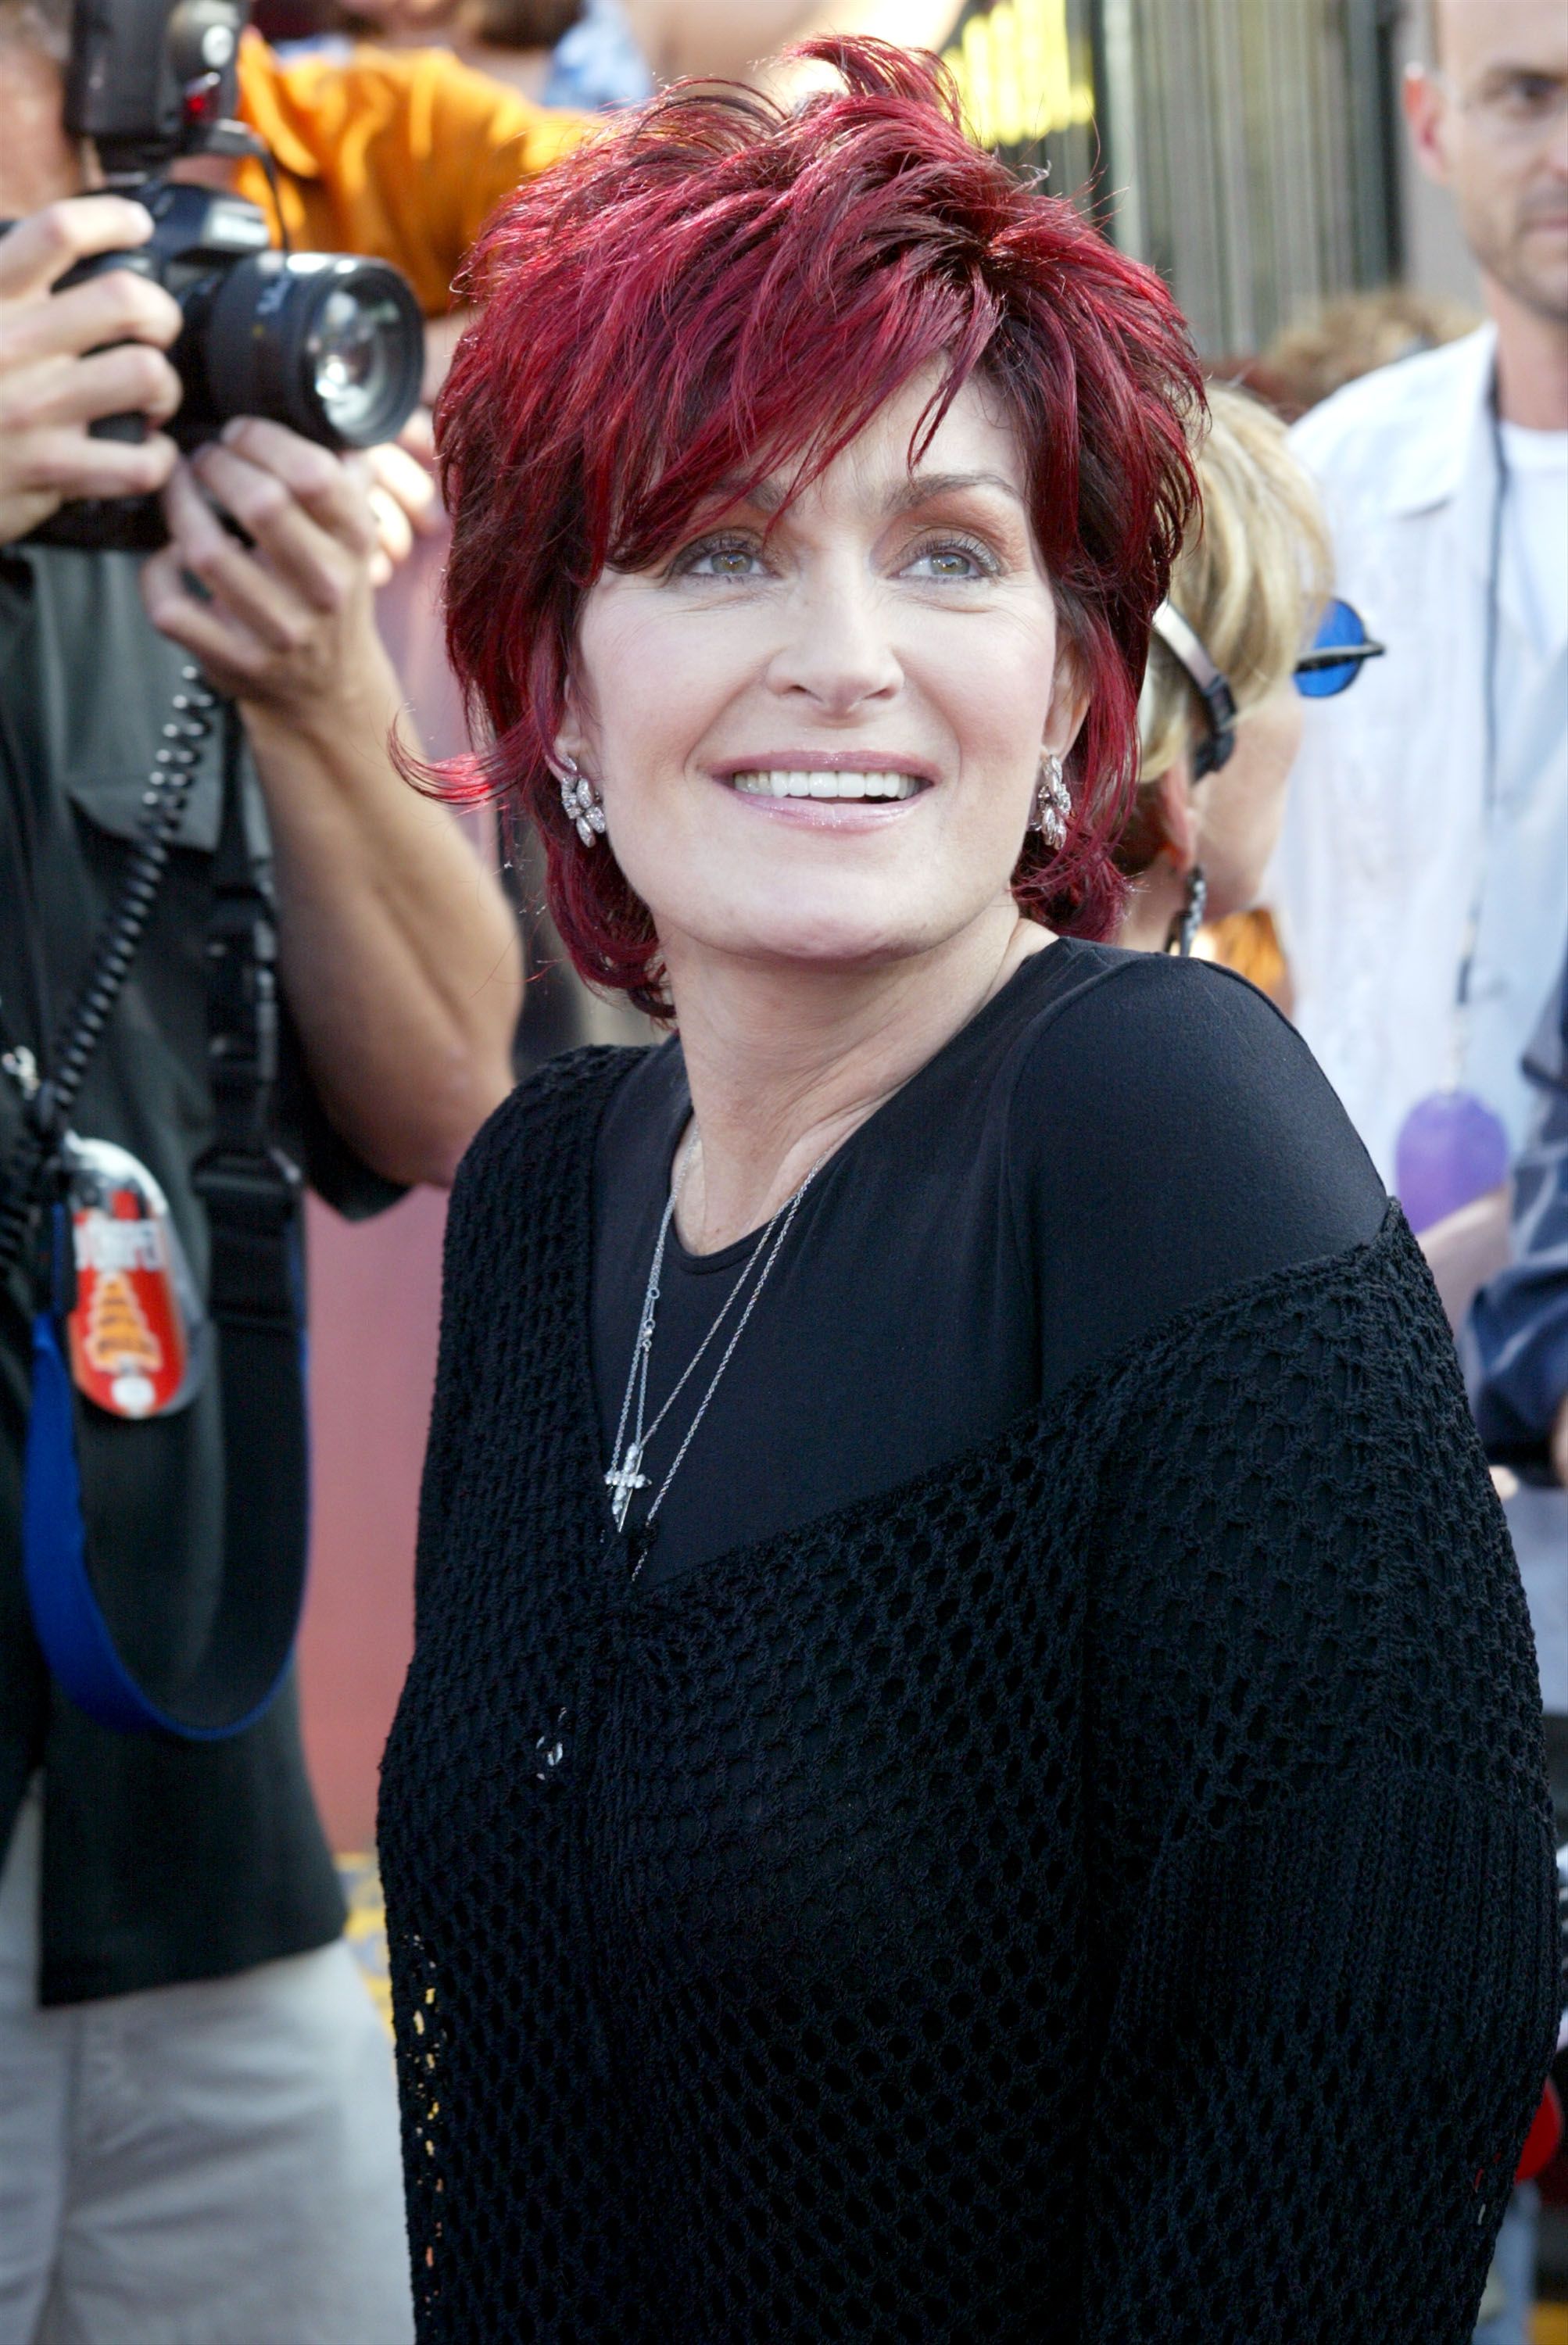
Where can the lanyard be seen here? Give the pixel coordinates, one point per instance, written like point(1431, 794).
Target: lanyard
point(35, 1161)
point(1491, 727)
point(252, 1195)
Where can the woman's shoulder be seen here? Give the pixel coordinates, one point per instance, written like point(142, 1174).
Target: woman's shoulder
point(1117, 1001)
point(532, 1134)
point(1145, 1045)
point(1171, 1135)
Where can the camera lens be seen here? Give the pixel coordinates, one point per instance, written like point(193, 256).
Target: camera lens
point(330, 344)
point(352, 353)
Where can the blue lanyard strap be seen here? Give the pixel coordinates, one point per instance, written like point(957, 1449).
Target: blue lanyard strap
point(261, 1389)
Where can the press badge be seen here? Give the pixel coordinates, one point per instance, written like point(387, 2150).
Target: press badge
point(139, 1335)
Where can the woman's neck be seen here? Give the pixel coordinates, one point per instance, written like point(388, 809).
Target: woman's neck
point(785, 1063)
point(1158, 897)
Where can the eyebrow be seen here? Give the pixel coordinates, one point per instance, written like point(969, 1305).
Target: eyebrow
point(919, 489)
point(922, 487)
point(1511, 69)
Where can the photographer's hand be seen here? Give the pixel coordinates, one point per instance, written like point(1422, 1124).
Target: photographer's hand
point(288, 619)
point(401, 479)
point(68, 359)
point(399, 953)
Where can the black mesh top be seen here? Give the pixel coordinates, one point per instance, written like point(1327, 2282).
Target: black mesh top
point(1097, 1890)
point(1114, 1136)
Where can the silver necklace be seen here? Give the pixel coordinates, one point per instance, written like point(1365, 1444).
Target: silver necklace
point(625, 1475)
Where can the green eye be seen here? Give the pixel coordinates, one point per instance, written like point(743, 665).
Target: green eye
point(954, 561)
point(719, 557)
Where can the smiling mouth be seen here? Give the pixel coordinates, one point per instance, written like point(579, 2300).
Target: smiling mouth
point(791, 783)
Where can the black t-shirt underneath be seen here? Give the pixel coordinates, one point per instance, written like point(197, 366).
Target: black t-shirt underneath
point(1113, 1137)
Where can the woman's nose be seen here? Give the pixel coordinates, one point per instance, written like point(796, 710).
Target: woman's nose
point(838, 652)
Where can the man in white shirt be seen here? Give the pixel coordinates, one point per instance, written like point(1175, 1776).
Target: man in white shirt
point(1405, 823)
point(1421, 881)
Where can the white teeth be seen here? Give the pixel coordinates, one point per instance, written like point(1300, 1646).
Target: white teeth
point(777, 784)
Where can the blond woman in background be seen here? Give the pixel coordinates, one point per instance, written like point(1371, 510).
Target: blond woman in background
point(1250, 629)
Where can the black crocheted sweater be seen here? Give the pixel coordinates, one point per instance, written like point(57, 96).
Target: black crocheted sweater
point(1101, 1892)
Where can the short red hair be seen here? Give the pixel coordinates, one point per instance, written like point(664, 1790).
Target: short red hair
point(714, 288)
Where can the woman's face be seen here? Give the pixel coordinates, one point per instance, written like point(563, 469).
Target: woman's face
point(1241, 807)
point(817, 742)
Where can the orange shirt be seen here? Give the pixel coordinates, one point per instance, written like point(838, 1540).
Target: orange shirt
point(401, 154)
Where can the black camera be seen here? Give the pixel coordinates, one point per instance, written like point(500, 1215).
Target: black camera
point(330, 343)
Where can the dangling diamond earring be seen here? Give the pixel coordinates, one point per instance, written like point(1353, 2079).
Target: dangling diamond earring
point(580, 801)
point(1052, 805)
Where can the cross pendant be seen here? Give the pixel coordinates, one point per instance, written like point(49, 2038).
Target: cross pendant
point(623, 1480)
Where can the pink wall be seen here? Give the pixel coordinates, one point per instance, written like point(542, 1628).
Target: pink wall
point(374, 1305)
point(375, 1299)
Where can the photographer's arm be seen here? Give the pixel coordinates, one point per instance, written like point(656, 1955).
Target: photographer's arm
point(400, 957)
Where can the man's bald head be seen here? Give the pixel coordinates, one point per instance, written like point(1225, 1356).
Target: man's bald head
point(1462, 36)
point(1432, 20)
point(1489, 115)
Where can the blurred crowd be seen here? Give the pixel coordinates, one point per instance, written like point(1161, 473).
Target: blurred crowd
point(1386, 489)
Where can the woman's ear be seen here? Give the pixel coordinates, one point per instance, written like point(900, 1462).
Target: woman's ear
point(569, 750)
point(1177, 814)
point(574, 734)
point(1069, 697)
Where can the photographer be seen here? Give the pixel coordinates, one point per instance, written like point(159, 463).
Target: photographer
point(197, 2131)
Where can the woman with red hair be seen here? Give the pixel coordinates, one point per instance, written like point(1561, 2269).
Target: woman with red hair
point(971, 1768)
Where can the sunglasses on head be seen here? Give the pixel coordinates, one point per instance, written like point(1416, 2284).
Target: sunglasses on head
point(1337, 654)
point(1331, 664)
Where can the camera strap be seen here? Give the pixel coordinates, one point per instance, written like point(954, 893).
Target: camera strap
point(251, 1193)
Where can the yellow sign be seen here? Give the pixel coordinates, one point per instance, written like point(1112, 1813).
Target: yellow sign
point(1014, 68)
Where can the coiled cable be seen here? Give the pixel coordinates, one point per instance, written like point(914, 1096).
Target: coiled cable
point(192, 716)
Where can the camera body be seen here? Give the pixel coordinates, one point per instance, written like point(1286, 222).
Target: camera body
point(331, 344)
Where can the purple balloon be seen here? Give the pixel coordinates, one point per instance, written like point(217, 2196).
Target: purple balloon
point(1451, 1150)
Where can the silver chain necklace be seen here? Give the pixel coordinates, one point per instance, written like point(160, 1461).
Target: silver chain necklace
point(625, 1475)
